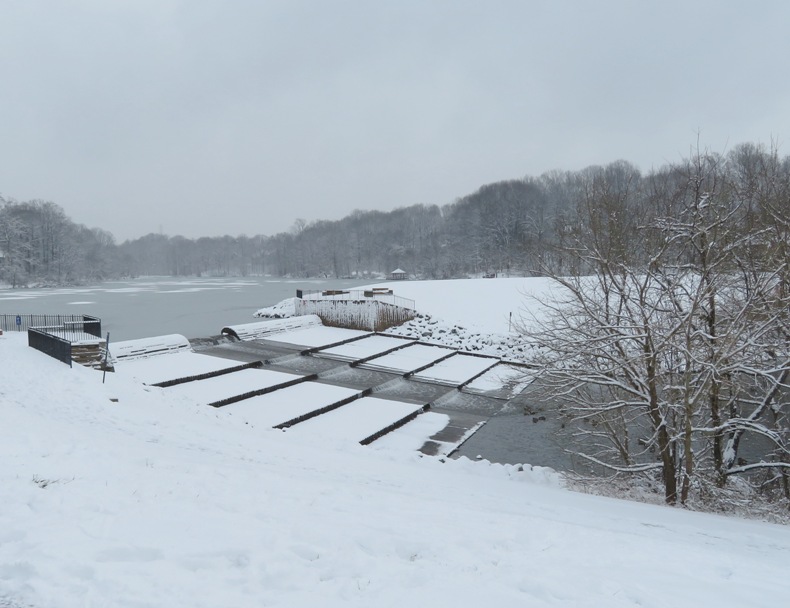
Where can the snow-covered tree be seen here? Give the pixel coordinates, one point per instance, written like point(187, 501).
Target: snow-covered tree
point(669, 344)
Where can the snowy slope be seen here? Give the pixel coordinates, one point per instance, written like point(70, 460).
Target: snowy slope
point(487, 305)
point(154, 501)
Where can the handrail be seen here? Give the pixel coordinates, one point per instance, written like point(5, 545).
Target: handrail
point(358, 295)
point(69, 324)
point(49, 344)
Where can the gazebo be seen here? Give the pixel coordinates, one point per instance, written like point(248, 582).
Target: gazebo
point(398, 275)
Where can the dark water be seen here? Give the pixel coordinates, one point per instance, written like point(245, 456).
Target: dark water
point(516, 439)
point(156, 306)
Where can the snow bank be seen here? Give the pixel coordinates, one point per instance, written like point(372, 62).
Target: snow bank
point(150, 500)
point(484, 305)
point(438, 331)
point(281, 310)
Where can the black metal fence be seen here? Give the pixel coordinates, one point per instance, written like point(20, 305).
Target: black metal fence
point(68, 327)
point(54, 334)
point(52, 345)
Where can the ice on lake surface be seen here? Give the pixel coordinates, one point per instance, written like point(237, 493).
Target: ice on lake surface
point(152, 306)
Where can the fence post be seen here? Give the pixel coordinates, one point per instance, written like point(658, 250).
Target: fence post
point(106, 353)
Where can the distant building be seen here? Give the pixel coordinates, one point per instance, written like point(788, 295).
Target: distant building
point(398, 275)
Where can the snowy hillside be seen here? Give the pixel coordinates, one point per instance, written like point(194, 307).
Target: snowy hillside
point(151, 500)
point(492, 306)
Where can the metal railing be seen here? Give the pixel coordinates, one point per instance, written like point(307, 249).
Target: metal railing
point(358, 295)
point(54, 334)
point(73, 328)
point(49, 344)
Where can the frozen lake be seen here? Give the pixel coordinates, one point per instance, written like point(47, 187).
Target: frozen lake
point(153, 306)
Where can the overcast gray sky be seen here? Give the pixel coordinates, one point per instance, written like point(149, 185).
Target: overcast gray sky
point(239, 116)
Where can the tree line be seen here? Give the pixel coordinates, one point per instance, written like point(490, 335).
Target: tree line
point(517, 227)
point(40, 244)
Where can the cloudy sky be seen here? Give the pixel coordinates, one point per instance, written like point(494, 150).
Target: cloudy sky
point(200, 117)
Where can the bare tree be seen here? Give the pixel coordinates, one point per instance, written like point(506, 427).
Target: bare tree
point(673, 328)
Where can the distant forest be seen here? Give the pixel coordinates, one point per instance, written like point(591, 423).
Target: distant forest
point(517, 227)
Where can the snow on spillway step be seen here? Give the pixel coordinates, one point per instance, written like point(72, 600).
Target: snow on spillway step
point(215, 389)
point(316, 337)
point(456, 370)
point(264, 329)
point(162, 368)
point(366, 347)
point(413, 435)
point(357, 420)
point(507, 380)
point(287, 403)
point(408, 359)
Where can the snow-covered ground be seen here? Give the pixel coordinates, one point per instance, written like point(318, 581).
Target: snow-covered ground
point(487, 306)
point(122, 495)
